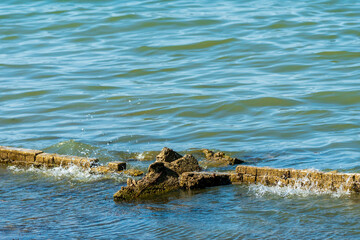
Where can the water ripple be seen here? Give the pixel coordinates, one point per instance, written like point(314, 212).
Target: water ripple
point(272, 82)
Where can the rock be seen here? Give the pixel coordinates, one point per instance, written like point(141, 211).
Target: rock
point(112, 167)
point(163, 176)
point(221, 157)
point(192, 180)
point(18, 155)
point(117, 166)
point(167, 155)
point(45, 159)
point(184, 164)
point(101, 170)
point(53, 159)
point(159, 179)
point(307, 179)
point(133, 172)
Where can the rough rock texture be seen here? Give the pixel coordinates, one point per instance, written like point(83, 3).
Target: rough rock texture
point(184, 164)
point(101, 170)
point(163, 176)
point(37, 158)
point(18, 156)
point(167, 155)
point(221, 157)
point(133, 172)
point(192, 180)
point(159, 179)
point(117, 166)
point(309, 179)
point(112, 167)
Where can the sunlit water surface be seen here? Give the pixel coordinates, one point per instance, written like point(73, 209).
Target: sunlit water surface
point(275, 83)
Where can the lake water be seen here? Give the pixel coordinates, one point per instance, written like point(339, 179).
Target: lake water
point(273, 82)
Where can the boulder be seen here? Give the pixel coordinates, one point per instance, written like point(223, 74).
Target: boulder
point(112, 167)
point(117, 166)
point(163, 176)
point(133, 172)
point(186, 163)
point(221, 157)
point(192, 180)
point(167, 155)
point(159, 179)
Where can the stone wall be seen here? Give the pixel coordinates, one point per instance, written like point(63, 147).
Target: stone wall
point(29, 157)
point(327, 181)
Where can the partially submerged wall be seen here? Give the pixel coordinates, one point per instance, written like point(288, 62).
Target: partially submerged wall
point(28, 157)
point(37, 158)
point(327, 181)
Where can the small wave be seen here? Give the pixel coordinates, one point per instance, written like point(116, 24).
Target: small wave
point(298, 190)
point(189, 46)
point(72, 173)
point(335, 97)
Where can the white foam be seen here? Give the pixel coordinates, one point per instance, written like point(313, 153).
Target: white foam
point(302, 188)
point(140, 156)
point(72, 172)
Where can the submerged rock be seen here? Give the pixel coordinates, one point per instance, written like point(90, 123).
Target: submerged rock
point(220, 157)
point(163, 176)
point(192, 180)
point(167, 155)
point(112, 167)
point(133, 172)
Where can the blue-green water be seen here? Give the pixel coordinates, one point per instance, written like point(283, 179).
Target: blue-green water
point(273, 82)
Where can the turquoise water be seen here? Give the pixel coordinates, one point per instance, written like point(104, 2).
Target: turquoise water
point(272, 82)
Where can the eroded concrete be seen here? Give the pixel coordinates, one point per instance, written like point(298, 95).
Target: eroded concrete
point(163, 176)
point(327, 181)
point(37, 158)
point(171, 171)
point(221, 158)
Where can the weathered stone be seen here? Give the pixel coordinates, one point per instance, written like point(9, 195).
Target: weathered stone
point(117, 166)
point(159, 179)
point(212, 164)
point(270, 180)
point(357, 177)
point(184, 164)
point(251, 170)
point(236, 178)
point(19, 154)
point(221, 157)
point(4, 153)
point(28, 157)
point(163, 176)
point(249, 179)
point(100, 170)
point(45, 159)
point(133, 172)
point(355, 184)
point(167, 155)
point(192, 180)
point(65, 160)
point(280, 173)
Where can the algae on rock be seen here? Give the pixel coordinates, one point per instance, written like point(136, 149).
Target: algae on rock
point(163, 176)
point(221, 158)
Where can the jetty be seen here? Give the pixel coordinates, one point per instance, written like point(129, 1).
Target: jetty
point(37, 158)
point(172, 171)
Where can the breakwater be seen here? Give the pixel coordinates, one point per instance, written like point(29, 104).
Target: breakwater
point(308, 178)
point(171, 171)
point(186, 178)
point(38, 158)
